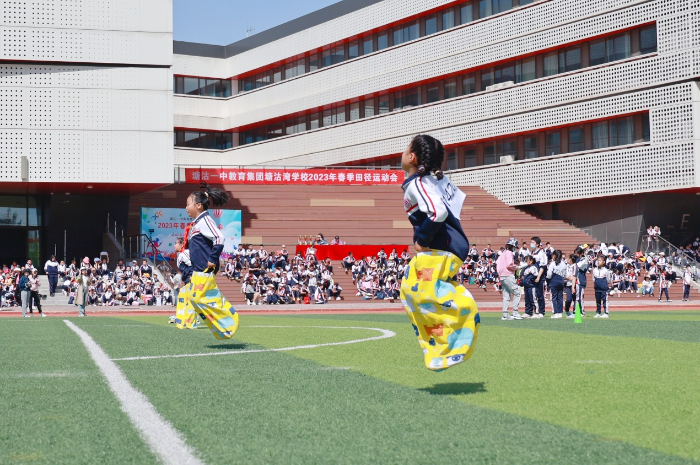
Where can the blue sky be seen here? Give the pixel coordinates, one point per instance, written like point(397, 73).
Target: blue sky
point(221, 22)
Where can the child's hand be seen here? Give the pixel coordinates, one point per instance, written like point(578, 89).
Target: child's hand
point(210, 265)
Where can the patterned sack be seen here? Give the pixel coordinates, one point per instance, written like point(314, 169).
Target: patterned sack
point(206, 299)
point(443, 313)
point(185, 315)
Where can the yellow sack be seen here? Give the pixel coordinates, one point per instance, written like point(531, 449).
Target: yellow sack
point(185, 315)
point(207, 300)
point(443, 313)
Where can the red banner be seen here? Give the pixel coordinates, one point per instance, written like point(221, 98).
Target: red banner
point(339, 252)
point(291, 176)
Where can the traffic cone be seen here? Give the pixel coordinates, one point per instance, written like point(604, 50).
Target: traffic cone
point(577, 314)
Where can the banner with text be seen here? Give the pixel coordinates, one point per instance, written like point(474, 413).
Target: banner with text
point(294, 176)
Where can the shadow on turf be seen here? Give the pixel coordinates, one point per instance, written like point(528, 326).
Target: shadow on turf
point(447, 389)
point(229, 346)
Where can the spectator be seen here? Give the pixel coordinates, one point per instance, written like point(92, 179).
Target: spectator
point(34, 297)
point(320, 240)
point(337, 241)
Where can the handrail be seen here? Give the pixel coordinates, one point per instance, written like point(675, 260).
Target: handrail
point(143, 243)
point(674, 255)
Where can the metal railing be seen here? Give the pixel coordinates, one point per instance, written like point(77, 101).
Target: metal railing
point(180, 168)
point(140, 247)
point(674, 255)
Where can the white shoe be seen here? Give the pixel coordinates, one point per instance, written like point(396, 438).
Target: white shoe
point(27, 316)
point(527, 317)
point(571, 315)
point(516, 316)
point(604, 315)
point(43, 315)
point(539, 315)
point(555, 316)
point(597, 315)
point(337, 298)
point(505, 317)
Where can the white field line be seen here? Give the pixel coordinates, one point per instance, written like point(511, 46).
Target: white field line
point(163, 439)
point(386, 334)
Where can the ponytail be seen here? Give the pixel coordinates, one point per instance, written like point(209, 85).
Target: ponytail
point(211, 196)
point(430, 154)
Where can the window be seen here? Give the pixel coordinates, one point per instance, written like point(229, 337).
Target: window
point(407, 98)
point(493, 7)
point(369, 108)
point(485, 10)
point(470, 156)
point(275, 130)
point(295, 68)
point(610, 49)
point(553, 143)
point(368, 45)
point(504, 73)
point(450, 88)
point(622, 131)
point(493, 151)
point(382, 41)
point(277, 74)
point(191, 86)
point(354, 111)
point(433, 92)
point(647, 39)
point(448, 19)
point(466, 13)
point(353, 50)
point(431, 25)
point(406, 32)
point(333, 56)
point(597, 52)
point(551, 63)
point(204, 140)
point(179, 85)
point(468, 84)
point(490, 153)
point(296, 125)
point(383, 104)
point(646, 129)
point(525, 70)
point(314, 121)
point(314, 62)
point(600, 135)
point(576, 141)
point(452, 160)
point(486, 78)
point(334, 116)
point(573, 58)
point(531, 147)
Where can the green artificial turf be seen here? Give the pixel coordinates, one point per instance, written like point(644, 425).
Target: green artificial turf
point(548, 391)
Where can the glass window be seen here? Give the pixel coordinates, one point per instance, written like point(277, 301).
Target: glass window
point(450, 88)
point(470, 156)
point(597, 52)
point(314, 121)
point(531, 147)
point(13, 211)
point(407, 98)
point(278, 74)
point(466, 13)
point(407, 32)
point(191, 139)
point(369, 108)
point(490, 153)
point(504, 73)
point(500, 6)
point(225, 88)
point(486, 78)
point(340, 114)
point(573, 58)
point(485, 8)
point(191, 86)
point(624, 129)
point(261, 80)
point(526, 70)
point(382, 41)
point(383, 104)
point(275, 130)
point(646, 128)
point(553, 143)
point(508, 148)
point(431, 25)
point(468, 84)
point(338, 55)
point(647, 39)
point(600, 135)
point(314, 62)
point(576, 143)
point(294, 69)
point(451, 157)
point(354, 111)
point(208, 87)
point(448, 19)
point(621, 47)
point(368, 45)
point(353, 50)
point(433, 92)
point(295, 125)
point(551, 64)
point(179, 85)
point(224, 141)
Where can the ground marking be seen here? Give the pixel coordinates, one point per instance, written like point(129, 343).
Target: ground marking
point(386, 334)
point(163, 439)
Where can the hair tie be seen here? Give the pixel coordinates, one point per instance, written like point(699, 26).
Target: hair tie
point(207, 194)
point(421, 169)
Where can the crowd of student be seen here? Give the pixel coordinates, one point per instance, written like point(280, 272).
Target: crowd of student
point(127, 284)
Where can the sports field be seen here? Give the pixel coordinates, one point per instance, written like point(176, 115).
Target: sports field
point(624, 390)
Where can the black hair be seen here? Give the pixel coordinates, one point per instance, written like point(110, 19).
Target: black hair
point(210, 196)
point(573, 257)
point(430, 154)
point(537, 240)
point(559, 255)
point(530, 258)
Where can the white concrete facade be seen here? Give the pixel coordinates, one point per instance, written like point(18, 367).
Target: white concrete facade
point(86, 90)
point(662, 84)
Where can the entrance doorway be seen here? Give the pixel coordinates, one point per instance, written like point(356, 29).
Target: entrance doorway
point(14, 246)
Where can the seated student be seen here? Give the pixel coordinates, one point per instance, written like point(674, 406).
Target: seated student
point(319, 296)
point(337, 241)
point(382, 258)
point(166, 297)
point(108, 297)
point(405, 257)
point(334, 291)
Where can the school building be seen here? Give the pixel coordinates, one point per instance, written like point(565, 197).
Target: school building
point(581, 111)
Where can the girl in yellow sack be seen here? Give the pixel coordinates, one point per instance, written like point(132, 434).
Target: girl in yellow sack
point(204, 243)
point(443, 313)
point(185, 316)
